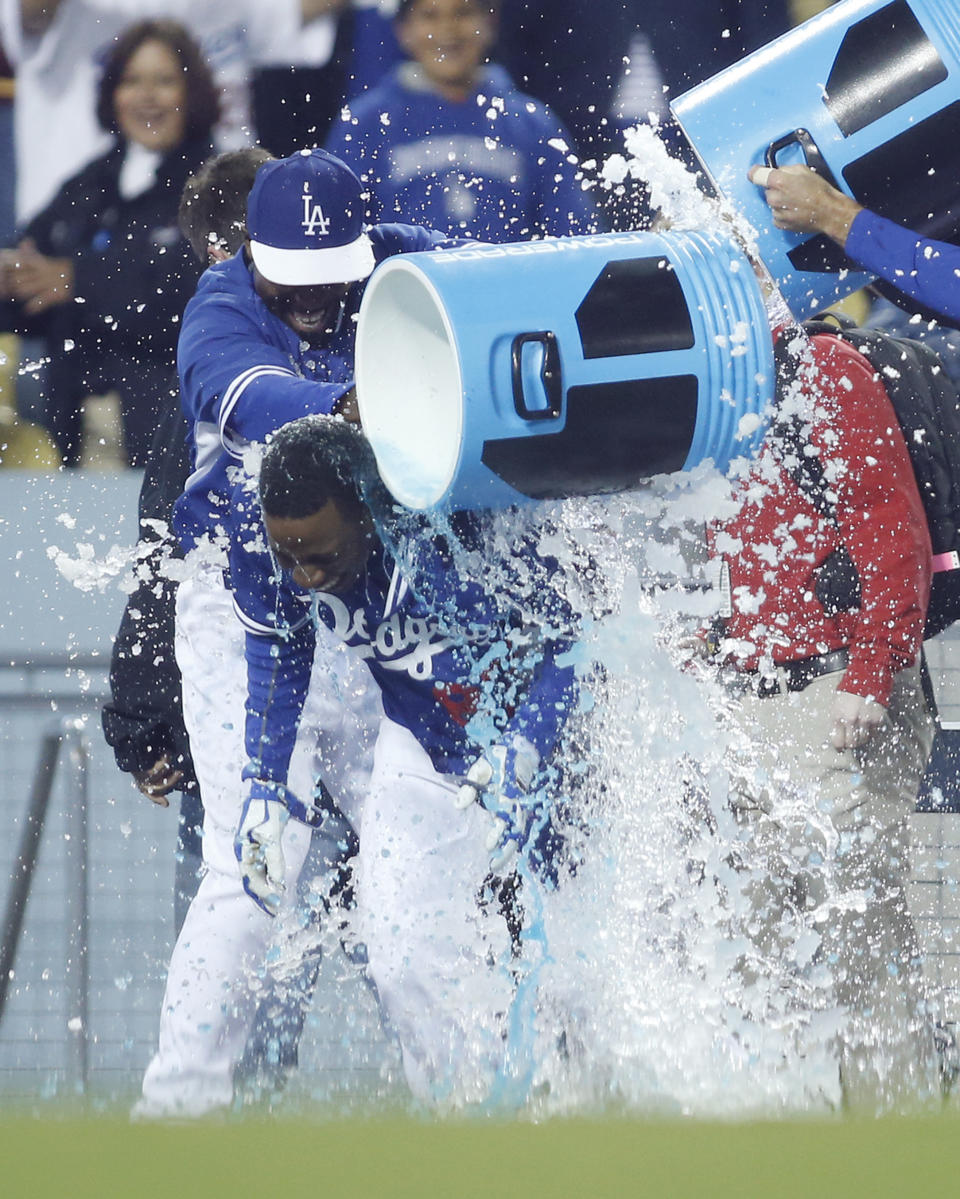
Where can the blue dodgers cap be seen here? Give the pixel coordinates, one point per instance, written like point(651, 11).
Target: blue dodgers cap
point(305, 220)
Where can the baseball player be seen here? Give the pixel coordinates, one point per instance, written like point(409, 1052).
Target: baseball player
point(463, 641)
point(267, 337)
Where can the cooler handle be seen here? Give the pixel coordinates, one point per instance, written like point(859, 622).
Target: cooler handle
point(550, 376)
point(810, 150)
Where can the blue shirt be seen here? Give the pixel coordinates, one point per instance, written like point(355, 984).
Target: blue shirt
point(927, 271)
point(244, 373)
point(496, 166)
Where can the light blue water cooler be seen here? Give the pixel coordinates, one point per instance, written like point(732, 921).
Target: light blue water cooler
point(571, 366)
point(868, 93)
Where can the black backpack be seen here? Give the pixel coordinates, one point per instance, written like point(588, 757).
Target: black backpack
point(927, 404)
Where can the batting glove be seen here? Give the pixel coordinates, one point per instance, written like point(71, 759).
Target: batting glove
point(257, 844)
point(501, 782)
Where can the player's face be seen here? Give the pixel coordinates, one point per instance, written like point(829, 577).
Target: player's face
point(150, 98)
point(313, 313)
point(449, 39)
point(323, 552)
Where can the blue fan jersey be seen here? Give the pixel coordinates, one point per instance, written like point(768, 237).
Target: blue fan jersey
point(496, 166)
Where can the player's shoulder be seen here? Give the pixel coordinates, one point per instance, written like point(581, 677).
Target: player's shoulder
point(840, 361)
point(388, 239)
point(852, 394)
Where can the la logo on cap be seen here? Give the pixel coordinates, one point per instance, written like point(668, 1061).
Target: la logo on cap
point(314, 222)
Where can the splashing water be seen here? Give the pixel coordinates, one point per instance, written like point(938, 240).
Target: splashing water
point(639, 988)
point(631, 991)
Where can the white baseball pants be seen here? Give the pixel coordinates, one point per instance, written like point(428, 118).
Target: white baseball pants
point(439, 958)
point(218, 966)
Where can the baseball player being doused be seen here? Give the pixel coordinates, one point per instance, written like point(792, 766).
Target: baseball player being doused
point(463, 641)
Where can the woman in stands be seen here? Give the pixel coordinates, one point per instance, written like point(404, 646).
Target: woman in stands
point(103, 273)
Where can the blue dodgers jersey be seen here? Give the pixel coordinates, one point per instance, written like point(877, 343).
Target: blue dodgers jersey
point(244, 374)
point(495, 166)
point(455, 666)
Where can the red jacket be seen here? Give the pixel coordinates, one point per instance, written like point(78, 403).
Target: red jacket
point(776, 541)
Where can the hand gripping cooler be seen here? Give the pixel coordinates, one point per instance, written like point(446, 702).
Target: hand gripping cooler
point(570, 366)
point(867, 93)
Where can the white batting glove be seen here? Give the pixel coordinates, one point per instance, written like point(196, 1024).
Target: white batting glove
point(500, 782)
point(258, 849)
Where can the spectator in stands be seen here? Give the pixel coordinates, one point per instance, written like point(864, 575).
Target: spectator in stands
point(600, 66)
point(296, 93)
point(103, 273)
point(571, 56)
point(143, 719)
point(448, 142)
point(8, 174)
point(22, 444)
point(58, 47)
point(578, 57)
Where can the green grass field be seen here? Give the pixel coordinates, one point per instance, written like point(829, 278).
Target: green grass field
point(108, 1157)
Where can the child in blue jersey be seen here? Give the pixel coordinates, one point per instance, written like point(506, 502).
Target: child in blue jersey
point(463, 643)
point(448, 140)
point(268, 337)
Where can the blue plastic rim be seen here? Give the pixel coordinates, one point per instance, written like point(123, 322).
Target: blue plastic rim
point(493, 375)
point(733, 331)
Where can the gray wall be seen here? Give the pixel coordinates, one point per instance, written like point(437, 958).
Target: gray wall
point(54, 651)
point(41, 614)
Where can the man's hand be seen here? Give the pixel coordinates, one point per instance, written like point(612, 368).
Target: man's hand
point(158, 780)
point(803, 202)
point(348, 407)
point(501, 782)
point(258, 849)
point(855, 720)
point(693, 648)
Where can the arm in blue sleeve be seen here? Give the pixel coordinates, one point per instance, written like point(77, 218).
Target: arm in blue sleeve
point(927, 271)
point(235, 378)
point(278, 676)
point(258, 406)
point(280, 640)
point(549, 700)
point(409, 239)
